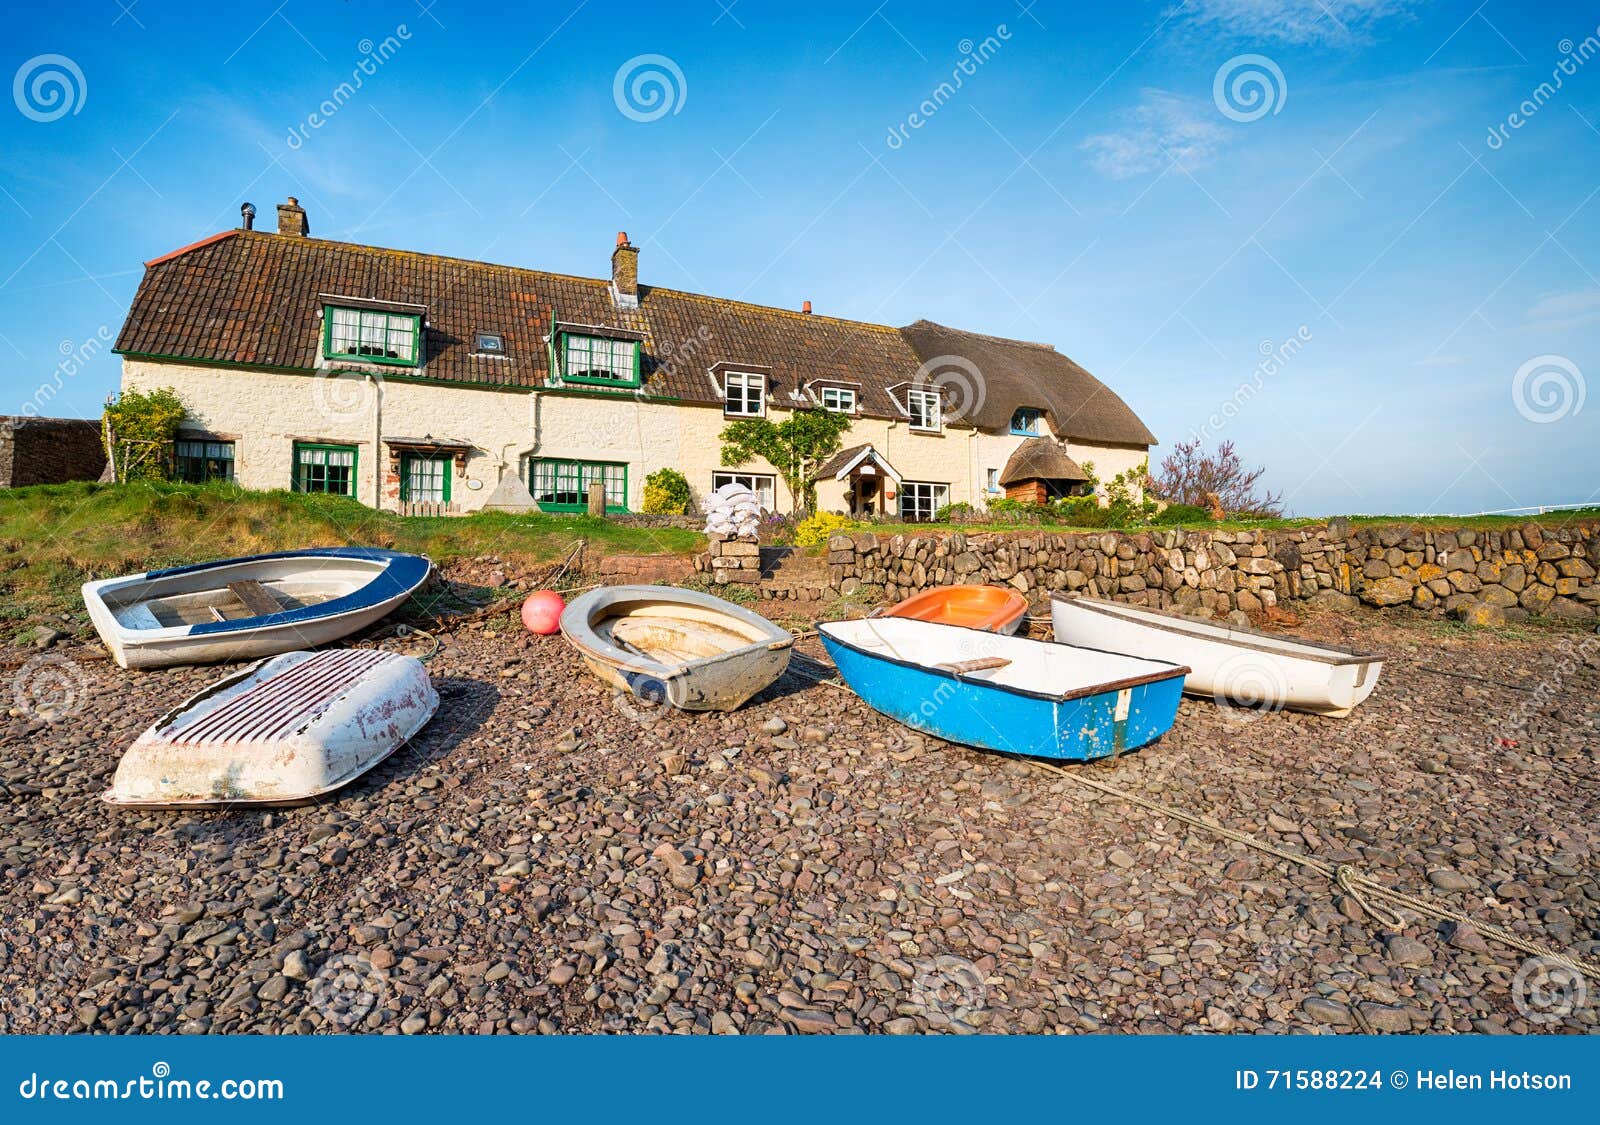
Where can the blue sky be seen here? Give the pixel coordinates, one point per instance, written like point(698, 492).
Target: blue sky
point(1101, 180)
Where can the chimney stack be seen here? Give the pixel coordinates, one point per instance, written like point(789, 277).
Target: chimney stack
point(805, 307)
point(625, 273)
point(247, 214)
point(292, 219)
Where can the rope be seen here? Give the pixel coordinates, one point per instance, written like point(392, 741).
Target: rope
point(1372, 896)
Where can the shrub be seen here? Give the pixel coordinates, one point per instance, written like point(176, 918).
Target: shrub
point(1182, 513)
point(955, 513)
point(813, 531)
point(666, 492)
point(142, 425)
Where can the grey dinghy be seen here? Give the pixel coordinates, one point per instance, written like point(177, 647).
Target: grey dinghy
point(695, 651)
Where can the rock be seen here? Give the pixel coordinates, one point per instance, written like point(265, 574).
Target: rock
point(276, 988)
point(774, 725)
point(1480, 615)
point(1403, 950)
point(1387, 591)
point(295, 966)
point(1326, 1011)
point(562, 973)
point(1219, 1019)
point(1386, 1017)
point(1121, 858)
point(1463, 935)
point(1447, 879)
point(413, 1024)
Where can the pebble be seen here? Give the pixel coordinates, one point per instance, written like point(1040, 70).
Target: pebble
point(1403, 950)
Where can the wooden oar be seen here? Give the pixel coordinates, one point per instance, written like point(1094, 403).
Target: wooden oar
point(980, 664)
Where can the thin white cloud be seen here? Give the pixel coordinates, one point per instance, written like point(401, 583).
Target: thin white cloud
point(1161, 130)
point(1566, 310)
point(1331, 22)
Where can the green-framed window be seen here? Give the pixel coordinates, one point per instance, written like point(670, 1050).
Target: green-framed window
point(325, 468)
point(195, 462)
point(425, 477)
point(600, 360)
point(563, 486)
point(371, 336)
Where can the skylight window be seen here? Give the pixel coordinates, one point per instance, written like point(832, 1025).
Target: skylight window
point(490, 343)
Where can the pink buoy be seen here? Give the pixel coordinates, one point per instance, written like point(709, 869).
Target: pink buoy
point(541, 613)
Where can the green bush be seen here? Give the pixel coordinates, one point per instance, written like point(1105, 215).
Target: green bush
point(666, 492)
point(813, 531)
point(960, 510)
point(143, 424)
point(1182, 513)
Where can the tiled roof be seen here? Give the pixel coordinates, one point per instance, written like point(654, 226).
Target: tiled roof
point(252, 298)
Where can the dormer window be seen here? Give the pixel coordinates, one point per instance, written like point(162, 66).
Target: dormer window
point(923, 409)
point(599, 359)
point(838, 400)
point(489, 343)
point(744, 394)
point(371, 336)
point(1025, 421)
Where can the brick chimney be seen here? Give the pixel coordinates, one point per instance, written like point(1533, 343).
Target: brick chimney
point(292, 219)
point(625, 273)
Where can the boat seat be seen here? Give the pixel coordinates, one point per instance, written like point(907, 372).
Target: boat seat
point(256, 597)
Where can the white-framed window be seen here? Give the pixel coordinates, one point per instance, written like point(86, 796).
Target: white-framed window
point(838, 400)
point(924, 408)
point(744, 394)
point(920, 500)
point(991, 479)
point(764, 485)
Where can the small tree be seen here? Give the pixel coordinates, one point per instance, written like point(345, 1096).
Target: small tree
point(666, 492)
point(138, 430)
point(1190, 475)
point(793, 447)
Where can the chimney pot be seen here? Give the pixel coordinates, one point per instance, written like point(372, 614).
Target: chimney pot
point(292, 219)
point(625, 273)
point(248, 213)
point(805, 307)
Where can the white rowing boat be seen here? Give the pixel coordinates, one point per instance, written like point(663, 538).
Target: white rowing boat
point(683, 647)
point(1230, 664)
point(247, 608)
point(282, 731)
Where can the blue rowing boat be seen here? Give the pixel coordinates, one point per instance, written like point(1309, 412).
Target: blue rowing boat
point(1011, 694)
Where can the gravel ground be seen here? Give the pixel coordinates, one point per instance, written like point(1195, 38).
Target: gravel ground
point(545, 858)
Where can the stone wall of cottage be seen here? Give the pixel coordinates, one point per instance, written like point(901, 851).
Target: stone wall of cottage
point(49, 450)
point(1482, 576)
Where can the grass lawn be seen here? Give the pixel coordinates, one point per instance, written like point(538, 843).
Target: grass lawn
point(53, 538)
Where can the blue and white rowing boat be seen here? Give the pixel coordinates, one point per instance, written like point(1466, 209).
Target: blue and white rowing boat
point(1011, 694)
point(244, 609)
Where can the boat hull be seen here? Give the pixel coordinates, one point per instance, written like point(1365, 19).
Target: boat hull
point(283, 731)
point(990, 608)
point(1233, 666)
point(1089, 725)
point(377, 583)
point(757, 654)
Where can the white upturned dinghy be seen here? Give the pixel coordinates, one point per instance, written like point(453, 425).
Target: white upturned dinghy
point(282, 731)
point(683, 647)
point(247, 608)
point(1228, 663)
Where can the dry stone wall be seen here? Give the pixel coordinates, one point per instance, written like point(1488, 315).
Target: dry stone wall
point(1483, 576)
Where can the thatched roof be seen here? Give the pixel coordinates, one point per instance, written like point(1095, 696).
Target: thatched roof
point(1014, 373)
point(1040, 459)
